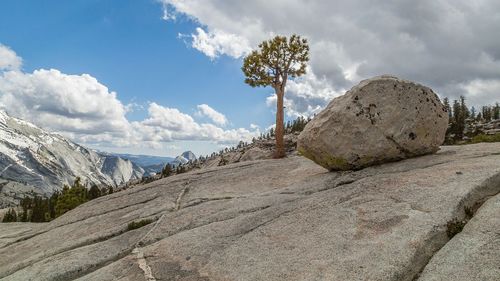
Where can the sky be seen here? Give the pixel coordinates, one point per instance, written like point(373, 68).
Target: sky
point(160, 77)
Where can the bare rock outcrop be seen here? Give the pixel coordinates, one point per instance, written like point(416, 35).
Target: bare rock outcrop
point(380, 120)
point(286, 219)
point(474, 253)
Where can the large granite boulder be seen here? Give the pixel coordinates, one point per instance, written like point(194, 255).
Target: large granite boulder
point(380, 120)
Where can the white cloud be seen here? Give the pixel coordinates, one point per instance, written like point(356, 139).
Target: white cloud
point(217, 117)
point(479, 90)
point(305, 96)
point(83, 109)
point(216, 43)
point(442, 44)
point(167, 124)
point(170, 119)
point(9, 59)
point(76, 104)
point(167, 15)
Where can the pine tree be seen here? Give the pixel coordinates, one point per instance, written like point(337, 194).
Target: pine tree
point(464, 111)
point(181, 169)
point(487, 113)
point(447, 106)
point(473, 113)
point(479, 117)
point(10, 216)
point(52, 204)
point(40, 207)
point(94, 192)
point(273, 64)
point(458, 124)
point(496, 111)
point(223, 161)
point(71, 197)
point(167, 170)
point(26, 206)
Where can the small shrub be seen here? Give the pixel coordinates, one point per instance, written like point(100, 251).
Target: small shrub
point(469, 212)
point(10, 216)
point(486, 138)
point(454, 227)
point(138, 224)
point(223, 161)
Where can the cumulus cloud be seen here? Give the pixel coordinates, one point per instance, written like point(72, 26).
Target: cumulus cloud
point(9, 59)
point(85, 110)
point(167, 124)
point(217, 117)
point(305, 96)
point(445, 44)
point(76, 104)
point(216, 43)
point(479, 90)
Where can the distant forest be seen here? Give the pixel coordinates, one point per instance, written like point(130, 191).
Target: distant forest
point(39, 209)
point(466, 125)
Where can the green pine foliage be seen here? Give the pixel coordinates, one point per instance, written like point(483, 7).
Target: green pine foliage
point(10, 216)
point(291, 127)
point(71, 197)
point(138, 224)
point(273, 63)
point(40, 209)
point(460, 115)
point(223, 161)
point(181, 169)
point(37, 208)
point(167, 171)
point(297, 125)
point(93, 192)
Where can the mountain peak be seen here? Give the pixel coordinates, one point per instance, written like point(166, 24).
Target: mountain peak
point(188, 155)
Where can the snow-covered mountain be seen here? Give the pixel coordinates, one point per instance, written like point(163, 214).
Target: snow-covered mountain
point(45, 161)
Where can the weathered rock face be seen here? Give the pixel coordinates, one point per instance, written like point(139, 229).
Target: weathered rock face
point(259, 150)
point(286, 219)
point(474, 254)
point(256, 153)
point(380, 120)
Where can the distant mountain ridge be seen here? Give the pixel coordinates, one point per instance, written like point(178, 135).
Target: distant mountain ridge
point(46, 161)
point(151, 164)
point(145, 160)
point(155, 164)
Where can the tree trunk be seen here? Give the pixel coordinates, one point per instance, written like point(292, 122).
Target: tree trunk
point(280, 130)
